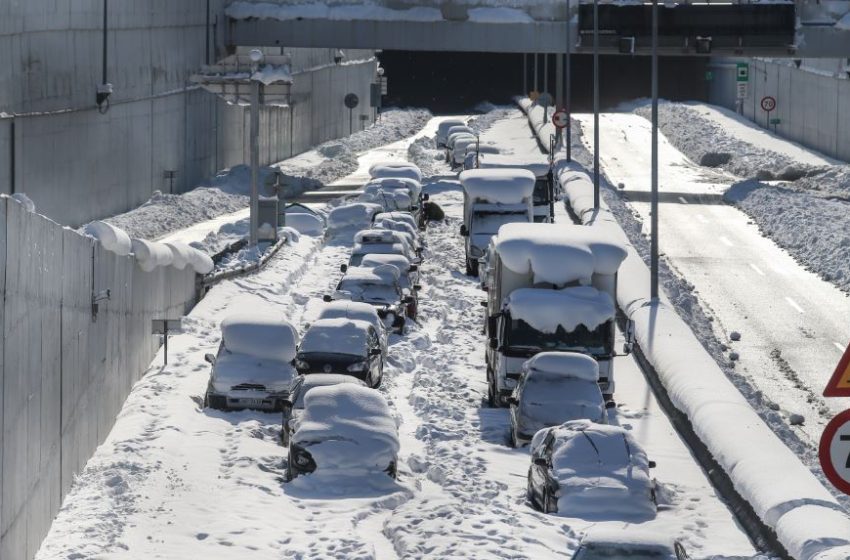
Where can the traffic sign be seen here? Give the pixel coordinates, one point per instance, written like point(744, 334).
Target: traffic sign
point(768, 103)
point(559, 118)
point(742, 72)
point(743, 89)
point(351, 100)
point(834, 451)
point(839, 383)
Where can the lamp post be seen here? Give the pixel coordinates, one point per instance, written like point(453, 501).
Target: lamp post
point(256, 56)
point(567, 98)
point(653, 262)
point(596, 104)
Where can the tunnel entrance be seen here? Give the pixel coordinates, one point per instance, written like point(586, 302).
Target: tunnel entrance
point(455, 82)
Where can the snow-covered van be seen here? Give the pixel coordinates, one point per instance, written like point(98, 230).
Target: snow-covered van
point(491, 198)
point(550, 288)
point(544, 186)
point(443, 130)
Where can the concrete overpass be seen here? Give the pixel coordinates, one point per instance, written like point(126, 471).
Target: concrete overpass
point(745, 29)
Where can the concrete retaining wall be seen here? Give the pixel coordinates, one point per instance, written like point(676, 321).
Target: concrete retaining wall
point(811, 103)
point(78, 165)
point(64, 373)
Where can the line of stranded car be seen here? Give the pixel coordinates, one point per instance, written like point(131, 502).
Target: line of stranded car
point(323, 382)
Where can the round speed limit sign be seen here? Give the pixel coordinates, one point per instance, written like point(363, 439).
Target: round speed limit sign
point(559, 118)
point(834, 451)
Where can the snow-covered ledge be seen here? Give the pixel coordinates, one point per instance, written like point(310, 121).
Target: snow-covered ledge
point(782, 491)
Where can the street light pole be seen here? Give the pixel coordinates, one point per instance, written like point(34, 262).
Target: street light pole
point(567, 98)
point(653, 265)
point(256, 58)
point(596, 104)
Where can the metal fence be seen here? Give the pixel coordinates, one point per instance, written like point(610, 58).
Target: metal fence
point(66, 367)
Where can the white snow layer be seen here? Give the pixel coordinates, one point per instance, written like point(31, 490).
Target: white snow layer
point(307, 224)
point(353, 215)
point(259, 334)
point(338, 336)
point(546, 310)
point(395, 169)
point(23, 199)
point(564, 364)
point(808, 521)
point(112, 238)
point(500, 186)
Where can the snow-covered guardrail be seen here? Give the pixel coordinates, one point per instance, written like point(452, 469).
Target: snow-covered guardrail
point(807, 520)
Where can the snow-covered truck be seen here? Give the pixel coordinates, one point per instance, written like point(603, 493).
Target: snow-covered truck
point(492, 198)
point(544, 196)
point(550, 288)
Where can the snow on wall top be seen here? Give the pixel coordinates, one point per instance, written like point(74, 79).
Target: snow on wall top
point(348, 427)
point(339, 336)
point(562, 364)
point(502, 161)
point(403, 169)
point(546, 310)
point(263, 335)
point(502, 186)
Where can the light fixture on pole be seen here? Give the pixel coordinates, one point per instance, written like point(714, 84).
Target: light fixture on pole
point(653, 259)
point(596, 104)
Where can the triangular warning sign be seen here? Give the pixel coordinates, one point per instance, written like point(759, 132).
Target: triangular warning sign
point(839, 384)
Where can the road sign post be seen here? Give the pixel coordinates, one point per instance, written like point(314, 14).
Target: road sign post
point(839, 383)
point(351, 101)
point(742, 78)
point(560, 118)
point(834, 452)
point(768, 104)
point(163, 327)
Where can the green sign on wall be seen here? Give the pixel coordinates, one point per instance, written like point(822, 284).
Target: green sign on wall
point(742, 73)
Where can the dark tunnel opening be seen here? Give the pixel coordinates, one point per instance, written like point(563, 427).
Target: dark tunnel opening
point(455, 82)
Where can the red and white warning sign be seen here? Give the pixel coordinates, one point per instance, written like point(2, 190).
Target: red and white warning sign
point(559, 118)
point(834, 451)
point(839, 383)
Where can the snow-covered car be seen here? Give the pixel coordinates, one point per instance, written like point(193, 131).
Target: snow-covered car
point(389, 199)
point(397, 217)
point(459, 150)
point(443, 130)
point(411, 188)
point(358, 214)
point(472, 157)
point(632, 543)
point(380, 241)
point(385, 169)
point(380, 287)
point(358, 311)
point(454, 132)
point(592, 471)
point(553, 388)
point(344, 346)
point(293, 407)
point(253, 367)
point(344, 431)
point(403, 228)
point(408, 276)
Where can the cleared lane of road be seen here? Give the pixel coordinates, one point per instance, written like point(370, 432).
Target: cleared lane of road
point(790, 320)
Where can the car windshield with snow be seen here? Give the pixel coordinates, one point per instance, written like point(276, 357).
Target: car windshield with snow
point(631, 543)
point(344, 346)
point(344, 432)
point(378, 286)
point(358, 311)
point(293, 407)
point(253, 366)
point(592, 471)
point(553, 388)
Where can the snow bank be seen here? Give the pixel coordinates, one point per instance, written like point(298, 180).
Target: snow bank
point(181, 254)
point(112, 238)
point(348, 430)
point(150, 254)
point(563, 364)
point(501, 186)
point(808, 521)
point(546, 310)
point(359, 214)
point(201, 262)
point(306, 224)
point(260, 334)
point(340, 336)
point(392, 169)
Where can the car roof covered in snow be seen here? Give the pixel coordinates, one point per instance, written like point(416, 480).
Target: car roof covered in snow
point(384, 274)
point(378, 259)
point(412, 186)
point(489, 160)
point(582, 442)
point(631, 537)
point(338, 336)
point(558, 254)
point(546, 310)
point(458, 128)
point(547, 400)
point(397, 216)
point(374, 235)
point(260, 334)
point(554, 365)
point(344, 309)
point(395, 169)
point(356, 213)
point(348, 428)
point(505, 186)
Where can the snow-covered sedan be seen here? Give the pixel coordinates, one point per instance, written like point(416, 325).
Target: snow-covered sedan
point(253, 366)
point(293, 407)
point(380, 241)
point(344, 432)
point(380, 287)
point(404, 169)
point(592, 471)
point(443, 131)
point(358, 311)
point(408, 276)
point(411, 234)
point(553, 388)
point(633, 543)
point(342, 346)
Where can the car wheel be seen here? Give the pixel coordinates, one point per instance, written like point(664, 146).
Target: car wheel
point(514, 441)
point(284, 436)
point(472, 267)
point(290, 474)
point(546, 499)
point(529, 490)
point(491, 389)
point(377, 383)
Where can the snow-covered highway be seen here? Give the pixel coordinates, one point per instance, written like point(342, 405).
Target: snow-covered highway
point(175, 480)
point(792, 324)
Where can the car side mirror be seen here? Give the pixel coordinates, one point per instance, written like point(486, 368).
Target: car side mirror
point(426, 197)
point(610, 404)
point(343, 267)
point(540, 462)
point(414, 208)
point(492, 323)
point(652, 464)
point(483, 303)
point(375, 352)
point(628, 347)
point(286, 406)
point(513, 400)
point(407, 300)
point(413, 268)
point(210, 358)
point(327, 299)
point(417, 287)
point(494, 343)
point(464, 232)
